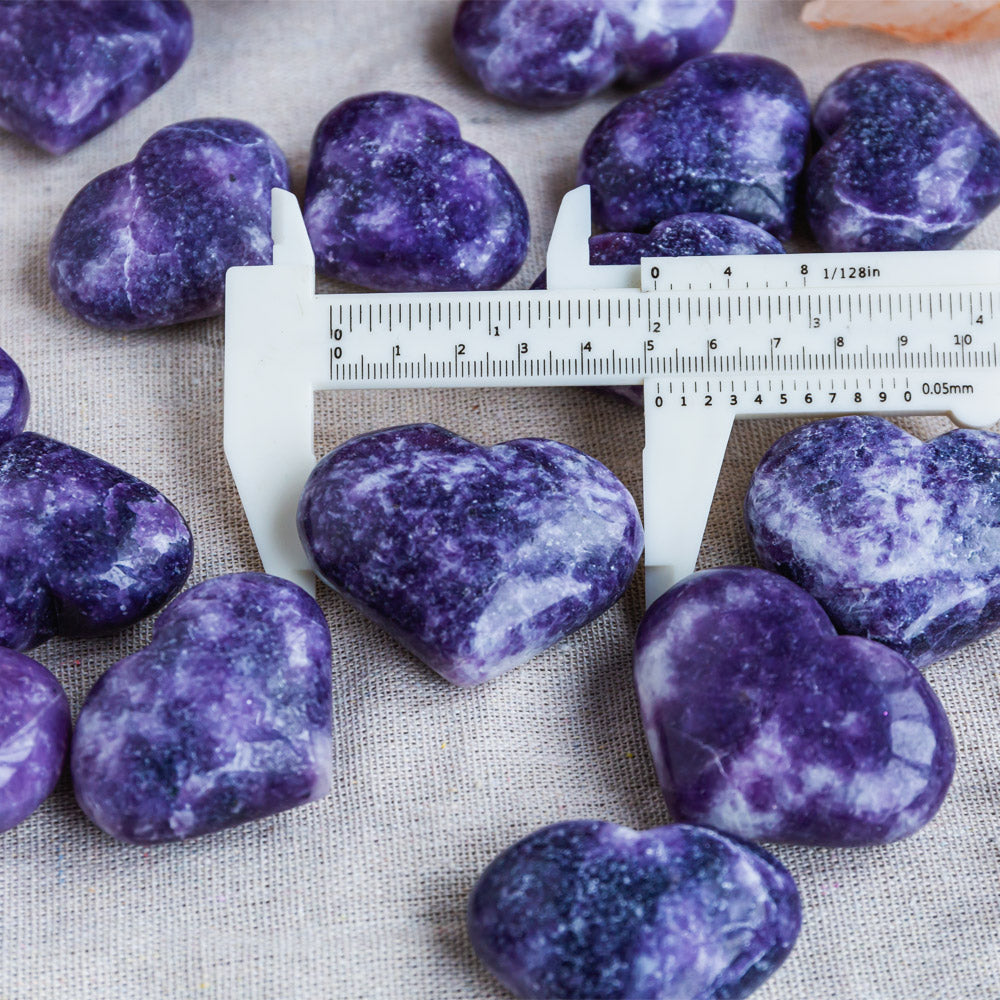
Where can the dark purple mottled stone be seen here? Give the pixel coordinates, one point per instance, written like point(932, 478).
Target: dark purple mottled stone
point(905, 162)
point(474, 558)
point(70, 69)
point(223, 718)
point(148, 243)
point(899, 540)
point(764, 723)
point(15, 400)
point(553, 53)
point(724, 134)
point(584, 909)
point(692, 235)
point(85, 548)
point(34, 734)
point(397, 200)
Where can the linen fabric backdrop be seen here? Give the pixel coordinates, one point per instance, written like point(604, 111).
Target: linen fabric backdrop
point(363, 894)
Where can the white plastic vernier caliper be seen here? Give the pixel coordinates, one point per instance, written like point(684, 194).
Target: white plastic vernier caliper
point(711, 339)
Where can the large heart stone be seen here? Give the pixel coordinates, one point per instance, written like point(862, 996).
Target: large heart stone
point(224, 718)
point(585, 909)
point(85, 548)
point(553, 54)
point(474, 558)
point(725, 133)
point(396, 199)
point(905, 162)
point(34, 734)
point(70, 69)
point(765, 723)
point(897, 539)
point(148, 243)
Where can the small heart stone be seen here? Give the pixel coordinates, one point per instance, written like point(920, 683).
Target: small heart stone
point(905, 162)
point(149, 242)
point(764, 723)
point(70, 69)
point(899, 540)
point(474, 558)
point(724, 133)
point(397, 200)
point(34, 734)
point(551, 55)
point(85, 548)
point(585, 909)
point(223, 718)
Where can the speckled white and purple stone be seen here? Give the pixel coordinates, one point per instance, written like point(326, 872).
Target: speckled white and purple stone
point(15, 400)
point(554, 53)
point(723, 134)
point(764, 723)
point(34, 734)
point(899, 540)
point(585, 909)
point(223, 718)
point(85, 548)
point(70, 69)
point(148, 243)
point(397, 200)
point(474, 558)
point(696, 234)
point(905, 162)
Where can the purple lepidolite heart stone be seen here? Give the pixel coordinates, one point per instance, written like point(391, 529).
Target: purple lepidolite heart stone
point(71, 68)
point(397, 200)
point(34, 734)
point(223, 718)
point(724, 134)
point(554, 53)
point(905, 162)
point(148, 243)
point(85, 548)
point(765, 723)
point(696, 234)
point(474, 558)
point(898, 540)
point(585, 909)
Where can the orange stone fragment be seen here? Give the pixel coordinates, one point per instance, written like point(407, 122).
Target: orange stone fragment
point(913, 20)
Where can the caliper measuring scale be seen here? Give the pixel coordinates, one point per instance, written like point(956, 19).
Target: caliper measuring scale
point(710, 339)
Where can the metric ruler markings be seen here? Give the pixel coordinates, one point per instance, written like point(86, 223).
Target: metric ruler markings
point(650, 356)
point(812, 335)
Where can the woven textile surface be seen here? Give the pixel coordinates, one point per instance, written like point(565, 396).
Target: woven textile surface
point(363, 894)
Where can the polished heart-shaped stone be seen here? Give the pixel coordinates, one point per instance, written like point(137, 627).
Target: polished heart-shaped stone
point(223, 718)
point(553, 54)
point(725, 133)
point(396, 199)
point(905, 162)
point(585, 909)
point(474, 558)
point(34, 735)
point(149, 242)
point(85, 548)
point(68, 69)
point(899, 540)
point(765, 723)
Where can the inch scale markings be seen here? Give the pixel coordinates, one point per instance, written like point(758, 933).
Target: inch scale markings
point(712, 338)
